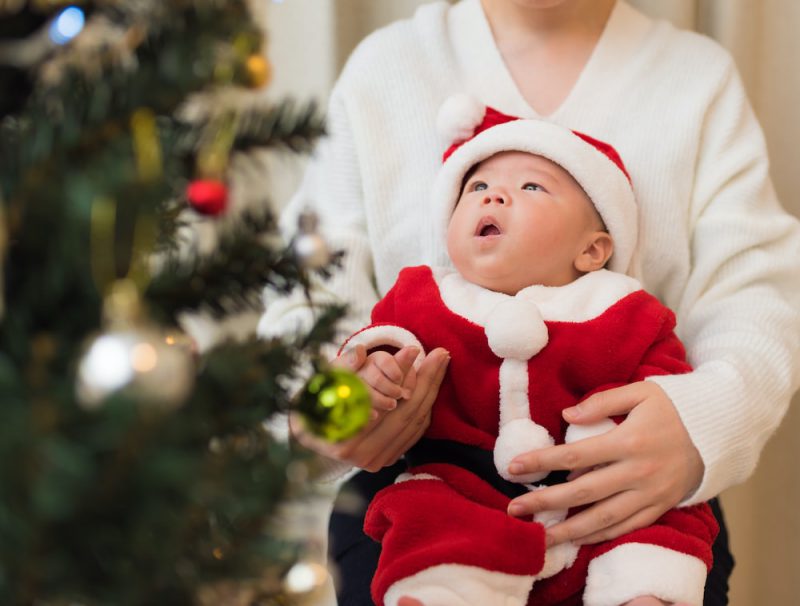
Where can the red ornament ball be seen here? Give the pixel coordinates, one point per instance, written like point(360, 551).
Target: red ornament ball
point(208, 196)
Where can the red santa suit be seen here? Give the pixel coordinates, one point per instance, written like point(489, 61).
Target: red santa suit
point(516, 363)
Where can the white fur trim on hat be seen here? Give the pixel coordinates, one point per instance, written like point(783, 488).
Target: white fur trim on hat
point(458, 117)
point(603, 181)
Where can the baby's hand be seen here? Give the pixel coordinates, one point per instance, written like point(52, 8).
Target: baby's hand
point(384, 376)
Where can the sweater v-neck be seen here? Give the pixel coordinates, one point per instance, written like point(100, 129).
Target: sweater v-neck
point(488, 78)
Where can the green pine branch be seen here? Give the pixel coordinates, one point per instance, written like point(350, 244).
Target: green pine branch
point(232, 278)
point(85, 107)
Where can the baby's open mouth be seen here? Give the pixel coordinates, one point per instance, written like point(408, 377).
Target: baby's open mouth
point(487, 227)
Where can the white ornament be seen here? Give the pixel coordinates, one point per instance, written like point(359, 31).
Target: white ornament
point(458, 117)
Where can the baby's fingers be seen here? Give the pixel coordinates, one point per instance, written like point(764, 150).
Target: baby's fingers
point(384, 376)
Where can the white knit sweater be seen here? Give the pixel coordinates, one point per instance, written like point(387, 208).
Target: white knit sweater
point(715, 244)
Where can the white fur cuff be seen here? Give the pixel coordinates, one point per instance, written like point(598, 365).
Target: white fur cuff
point(637, 569)
point(393, 336)
point(459, 585)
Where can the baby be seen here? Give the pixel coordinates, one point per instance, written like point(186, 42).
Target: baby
point(532, 213)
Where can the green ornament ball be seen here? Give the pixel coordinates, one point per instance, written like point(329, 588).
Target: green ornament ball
point(335, 405)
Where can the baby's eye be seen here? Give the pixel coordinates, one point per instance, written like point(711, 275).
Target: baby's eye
point(532, 187)
point(479, 186)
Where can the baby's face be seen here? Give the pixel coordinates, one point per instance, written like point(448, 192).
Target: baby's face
point(520, 220)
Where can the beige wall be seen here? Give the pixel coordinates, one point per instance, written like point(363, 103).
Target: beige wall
point(311, 38)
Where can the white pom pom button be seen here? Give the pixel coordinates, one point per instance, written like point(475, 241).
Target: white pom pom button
point(515, 329)
point(515, 438)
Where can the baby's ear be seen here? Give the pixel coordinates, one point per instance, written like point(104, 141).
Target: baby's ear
point(596, 252)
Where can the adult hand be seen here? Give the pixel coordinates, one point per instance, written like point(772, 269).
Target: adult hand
point(638, 470)
point(390, 433)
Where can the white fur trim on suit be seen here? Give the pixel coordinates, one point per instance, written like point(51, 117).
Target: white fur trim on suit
point(458, 585)
point(514, 404)
point(602, 180)
point(393, 336)
point(579, 301)
point(518, 433)
point(581, 432)
point(636, 569)
point(557, 557)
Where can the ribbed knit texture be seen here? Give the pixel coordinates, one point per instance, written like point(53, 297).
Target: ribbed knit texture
point(715, 245)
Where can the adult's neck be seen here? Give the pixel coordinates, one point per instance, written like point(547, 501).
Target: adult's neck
point(513, 22)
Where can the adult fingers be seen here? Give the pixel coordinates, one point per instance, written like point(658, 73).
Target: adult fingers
point(405, 358)
point(605, 520)
point(643, 517)
point(604, 404)
point(593, 486)
point(409, 436)
point(582, 454)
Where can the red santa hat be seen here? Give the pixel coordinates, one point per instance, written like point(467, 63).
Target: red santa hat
point(477, 132)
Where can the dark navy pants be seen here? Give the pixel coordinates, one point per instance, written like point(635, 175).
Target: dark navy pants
point(355, 555)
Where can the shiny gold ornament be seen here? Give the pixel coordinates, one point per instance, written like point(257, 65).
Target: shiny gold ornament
point(259, 70)
point(335, 405)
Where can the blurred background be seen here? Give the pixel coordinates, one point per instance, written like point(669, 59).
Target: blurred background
point(311, 39)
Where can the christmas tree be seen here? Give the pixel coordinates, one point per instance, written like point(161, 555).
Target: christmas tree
point(134, 469)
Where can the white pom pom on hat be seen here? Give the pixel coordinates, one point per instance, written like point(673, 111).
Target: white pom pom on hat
point(594, 164)
point(458, 117)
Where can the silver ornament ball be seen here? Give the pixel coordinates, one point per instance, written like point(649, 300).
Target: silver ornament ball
point(138, 361)
point(311, 251)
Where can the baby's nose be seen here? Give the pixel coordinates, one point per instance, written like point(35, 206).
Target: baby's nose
point(495, 197)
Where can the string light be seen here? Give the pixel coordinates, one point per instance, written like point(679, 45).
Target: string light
point(67, 24)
